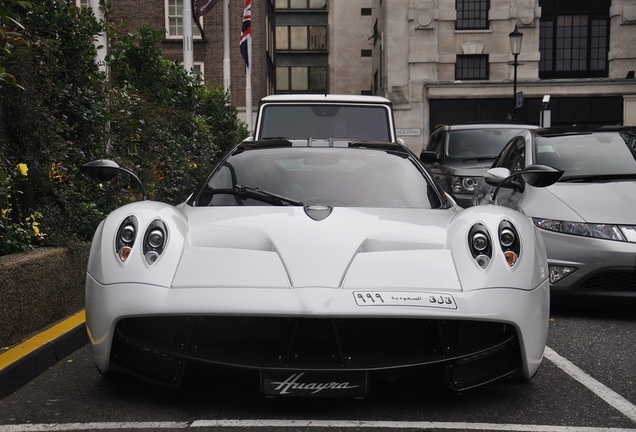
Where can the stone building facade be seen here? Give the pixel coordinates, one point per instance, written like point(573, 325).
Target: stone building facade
point(577, 52)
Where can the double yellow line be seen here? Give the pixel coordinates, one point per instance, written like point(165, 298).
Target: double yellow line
point(49, 335)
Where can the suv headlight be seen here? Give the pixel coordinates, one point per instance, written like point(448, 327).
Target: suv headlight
point(594, 230)
point(464, 185)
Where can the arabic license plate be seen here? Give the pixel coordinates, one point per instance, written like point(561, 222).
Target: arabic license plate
point(314, 384)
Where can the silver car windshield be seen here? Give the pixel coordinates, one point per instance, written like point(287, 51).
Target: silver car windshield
point(327, 176)
point(590, 155)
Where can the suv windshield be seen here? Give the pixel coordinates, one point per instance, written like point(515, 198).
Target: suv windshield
point(478, 143)
point(327, 176)
point(325, 121)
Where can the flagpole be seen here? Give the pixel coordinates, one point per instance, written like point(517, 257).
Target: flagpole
point(248, 97)
point(227, 71)
point(186, 20)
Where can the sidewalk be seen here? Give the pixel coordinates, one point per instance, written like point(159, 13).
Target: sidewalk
point(24, 362)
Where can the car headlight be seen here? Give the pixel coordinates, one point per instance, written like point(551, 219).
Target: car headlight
point(509, 242)
point(155, 240)
point(480, 245)
point(125, 239)
point(464, 185)
point(595, 230)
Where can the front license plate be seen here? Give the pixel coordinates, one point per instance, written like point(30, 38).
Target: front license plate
point(314, 384)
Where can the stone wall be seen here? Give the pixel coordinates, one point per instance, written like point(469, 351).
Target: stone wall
point(39, 288)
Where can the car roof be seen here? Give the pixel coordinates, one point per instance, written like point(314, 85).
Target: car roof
point(469, 126)
point(573, 130)
point(318, 143)
point(324, 98)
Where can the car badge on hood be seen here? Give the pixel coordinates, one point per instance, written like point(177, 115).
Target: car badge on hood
point(318, 212)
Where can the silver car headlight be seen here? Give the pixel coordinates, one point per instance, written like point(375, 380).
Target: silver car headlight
point(125, 238)
point(594, 230)
point(464, 185)
point(155, 241)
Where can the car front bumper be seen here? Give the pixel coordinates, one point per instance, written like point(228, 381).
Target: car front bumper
point(493, 333)
point(604, 268)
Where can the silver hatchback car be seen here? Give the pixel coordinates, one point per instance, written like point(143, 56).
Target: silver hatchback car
point(587, 218)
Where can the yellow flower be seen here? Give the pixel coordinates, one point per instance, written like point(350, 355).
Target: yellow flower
point(4, 213)
point(23, 168)
point(36, 230)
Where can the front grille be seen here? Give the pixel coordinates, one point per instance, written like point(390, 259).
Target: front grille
point(615, 280)
point(312, 343)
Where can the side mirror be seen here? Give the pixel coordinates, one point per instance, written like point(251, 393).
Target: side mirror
point(428, 156)
point(535, 175)
point(104, 170)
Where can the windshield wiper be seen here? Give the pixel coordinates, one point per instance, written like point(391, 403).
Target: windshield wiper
point(480, 158)
point(265, 196)
point(597, 178)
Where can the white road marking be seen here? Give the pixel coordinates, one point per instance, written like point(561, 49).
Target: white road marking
point(278, 424)
point(615, 400)
point(419, 425)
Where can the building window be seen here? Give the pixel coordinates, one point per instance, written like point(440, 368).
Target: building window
point(82, 4)
point(471, 67)
point(472, 14)
point(366, 12)
point(312, 38)
point(174, 20)
point(366, 53)
point(301, 4)
point(198, 70)
point(301, 79)
point(574, 39)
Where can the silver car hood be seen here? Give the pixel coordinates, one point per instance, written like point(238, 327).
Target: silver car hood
point(282, 247)
point(609, 202)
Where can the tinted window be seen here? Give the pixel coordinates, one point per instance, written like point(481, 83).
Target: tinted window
point(325, 121)
point(513, 156)
point(478, 143)
point(330, 176)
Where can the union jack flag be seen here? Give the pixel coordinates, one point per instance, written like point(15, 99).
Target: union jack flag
point(246, 33)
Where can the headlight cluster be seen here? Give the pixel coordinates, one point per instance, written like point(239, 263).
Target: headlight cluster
point(626, 233)
point(125, 239)
point(481, 246)
point(154, 240)
point(464, 185)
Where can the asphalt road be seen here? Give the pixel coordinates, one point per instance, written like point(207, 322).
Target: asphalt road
point(587, 382)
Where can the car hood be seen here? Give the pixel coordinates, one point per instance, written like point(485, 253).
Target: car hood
point(282, 247)
point(468, 169)
point(608, 202)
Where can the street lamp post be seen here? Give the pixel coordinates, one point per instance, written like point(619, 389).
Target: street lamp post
point(516, 37)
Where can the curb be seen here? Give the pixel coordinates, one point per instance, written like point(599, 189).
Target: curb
point(24, 362)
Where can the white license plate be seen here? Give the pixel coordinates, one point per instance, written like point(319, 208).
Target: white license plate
point(404, 298)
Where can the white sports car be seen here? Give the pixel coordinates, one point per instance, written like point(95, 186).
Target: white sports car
point(317, 263)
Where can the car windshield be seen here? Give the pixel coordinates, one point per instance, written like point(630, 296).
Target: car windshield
point(325, 121)
point(478, 143)
point(328, 176)
point(593, 155)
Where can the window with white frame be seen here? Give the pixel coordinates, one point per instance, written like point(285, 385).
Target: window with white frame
point(82, 4)
point(198, 70)
point(174, 20)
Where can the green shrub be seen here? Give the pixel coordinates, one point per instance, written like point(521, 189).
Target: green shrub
point(150, 116)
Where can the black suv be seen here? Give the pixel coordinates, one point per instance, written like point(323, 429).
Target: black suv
point(458, 155)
